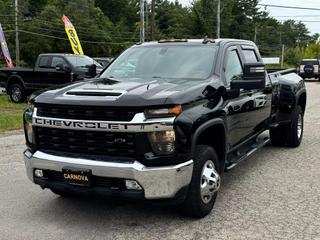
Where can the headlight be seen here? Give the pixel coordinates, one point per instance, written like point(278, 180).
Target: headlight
point(27, 119)
point(163, 112)
point(163, 143)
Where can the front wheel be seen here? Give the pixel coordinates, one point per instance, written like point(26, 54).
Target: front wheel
point(205, 182)
point(16, 93)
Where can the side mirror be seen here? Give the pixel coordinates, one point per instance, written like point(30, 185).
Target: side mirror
point(254, 77)
point(59, 67)
point(92, 71)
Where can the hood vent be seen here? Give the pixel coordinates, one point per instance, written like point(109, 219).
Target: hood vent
point(94, 93)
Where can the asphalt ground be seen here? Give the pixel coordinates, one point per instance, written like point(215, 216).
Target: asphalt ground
point(274, 194)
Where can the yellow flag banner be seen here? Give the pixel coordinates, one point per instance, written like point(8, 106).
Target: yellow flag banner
point(72, 35)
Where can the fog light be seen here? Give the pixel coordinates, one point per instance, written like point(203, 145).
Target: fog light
point(132, 185)
point(38, 173)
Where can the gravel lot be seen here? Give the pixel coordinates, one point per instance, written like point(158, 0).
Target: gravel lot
point(275, 194)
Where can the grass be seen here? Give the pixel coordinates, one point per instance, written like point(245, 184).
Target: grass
point(10, 114)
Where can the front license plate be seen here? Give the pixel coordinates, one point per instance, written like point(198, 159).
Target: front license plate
point(77, 176)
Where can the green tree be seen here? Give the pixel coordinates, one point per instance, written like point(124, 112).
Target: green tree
point(172, 19)
point(312, 51)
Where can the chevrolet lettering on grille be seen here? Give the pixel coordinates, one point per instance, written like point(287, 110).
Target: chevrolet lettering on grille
point(78, 124)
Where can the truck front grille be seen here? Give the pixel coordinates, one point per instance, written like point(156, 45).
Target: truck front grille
point(86, 112)
point(86, 142)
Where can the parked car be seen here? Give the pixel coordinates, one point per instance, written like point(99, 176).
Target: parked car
point(50, 69)
point(156, 123)
point(309, 68)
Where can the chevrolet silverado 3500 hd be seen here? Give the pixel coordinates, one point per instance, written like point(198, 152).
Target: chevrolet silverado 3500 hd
point(163, 121)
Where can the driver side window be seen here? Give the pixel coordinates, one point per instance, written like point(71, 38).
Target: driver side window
point(58, 60)
point(233, 69)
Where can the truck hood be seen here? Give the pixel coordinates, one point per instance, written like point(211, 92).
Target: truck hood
point(106, 92)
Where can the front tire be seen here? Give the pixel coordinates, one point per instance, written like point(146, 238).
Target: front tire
point(17, 94)
point(205, 183)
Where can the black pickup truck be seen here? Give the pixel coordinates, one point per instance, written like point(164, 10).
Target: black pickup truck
point(162, 122)
point(50, 69)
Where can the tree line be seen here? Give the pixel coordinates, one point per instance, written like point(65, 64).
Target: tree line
point(107, 27)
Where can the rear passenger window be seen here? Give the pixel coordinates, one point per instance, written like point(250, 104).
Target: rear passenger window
point(250, 56)
point(44, 62)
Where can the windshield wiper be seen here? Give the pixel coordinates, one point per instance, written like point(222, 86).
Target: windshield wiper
point(109, 79)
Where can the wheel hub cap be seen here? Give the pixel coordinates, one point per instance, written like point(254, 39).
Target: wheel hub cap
point(16, 94)
point(300, 126)
point(210, 181)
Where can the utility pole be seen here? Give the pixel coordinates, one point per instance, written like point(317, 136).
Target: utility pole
point(255, 34)
point(141, 21)
point(218, 19)
point(17, 33)
point(282, 55)
point(153, 23)
point(147, 20)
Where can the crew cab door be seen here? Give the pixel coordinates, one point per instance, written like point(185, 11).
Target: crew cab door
point(247, 113)
point(46, 73)
point(41, 69)
point(61, 71)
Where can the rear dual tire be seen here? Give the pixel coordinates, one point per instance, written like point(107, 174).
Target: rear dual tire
point(289, 135)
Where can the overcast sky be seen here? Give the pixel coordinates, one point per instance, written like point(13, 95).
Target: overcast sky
point(307, 15)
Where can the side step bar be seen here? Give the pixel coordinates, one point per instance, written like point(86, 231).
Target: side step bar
point(256, 146)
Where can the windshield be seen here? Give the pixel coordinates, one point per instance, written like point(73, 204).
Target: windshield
point(163, 62)
point(82, 61)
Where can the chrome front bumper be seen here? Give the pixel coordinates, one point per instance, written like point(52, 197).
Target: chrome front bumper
point(157, 182)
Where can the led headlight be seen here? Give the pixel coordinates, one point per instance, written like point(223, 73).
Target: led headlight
point(163, 112)
point(27, 119)
point(163, 143)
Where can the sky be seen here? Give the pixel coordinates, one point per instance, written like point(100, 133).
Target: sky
point(307, 15)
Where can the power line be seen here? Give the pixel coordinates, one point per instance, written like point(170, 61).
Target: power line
point(308, 21)
point(291, 7)
point(55, 27)
point(81, 34)
point(66, 39)
point(84, 30)
point(297, 16)
point(44, 20)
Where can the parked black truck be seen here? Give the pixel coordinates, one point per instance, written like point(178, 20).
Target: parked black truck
point(163, 121)
point(50, 69)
